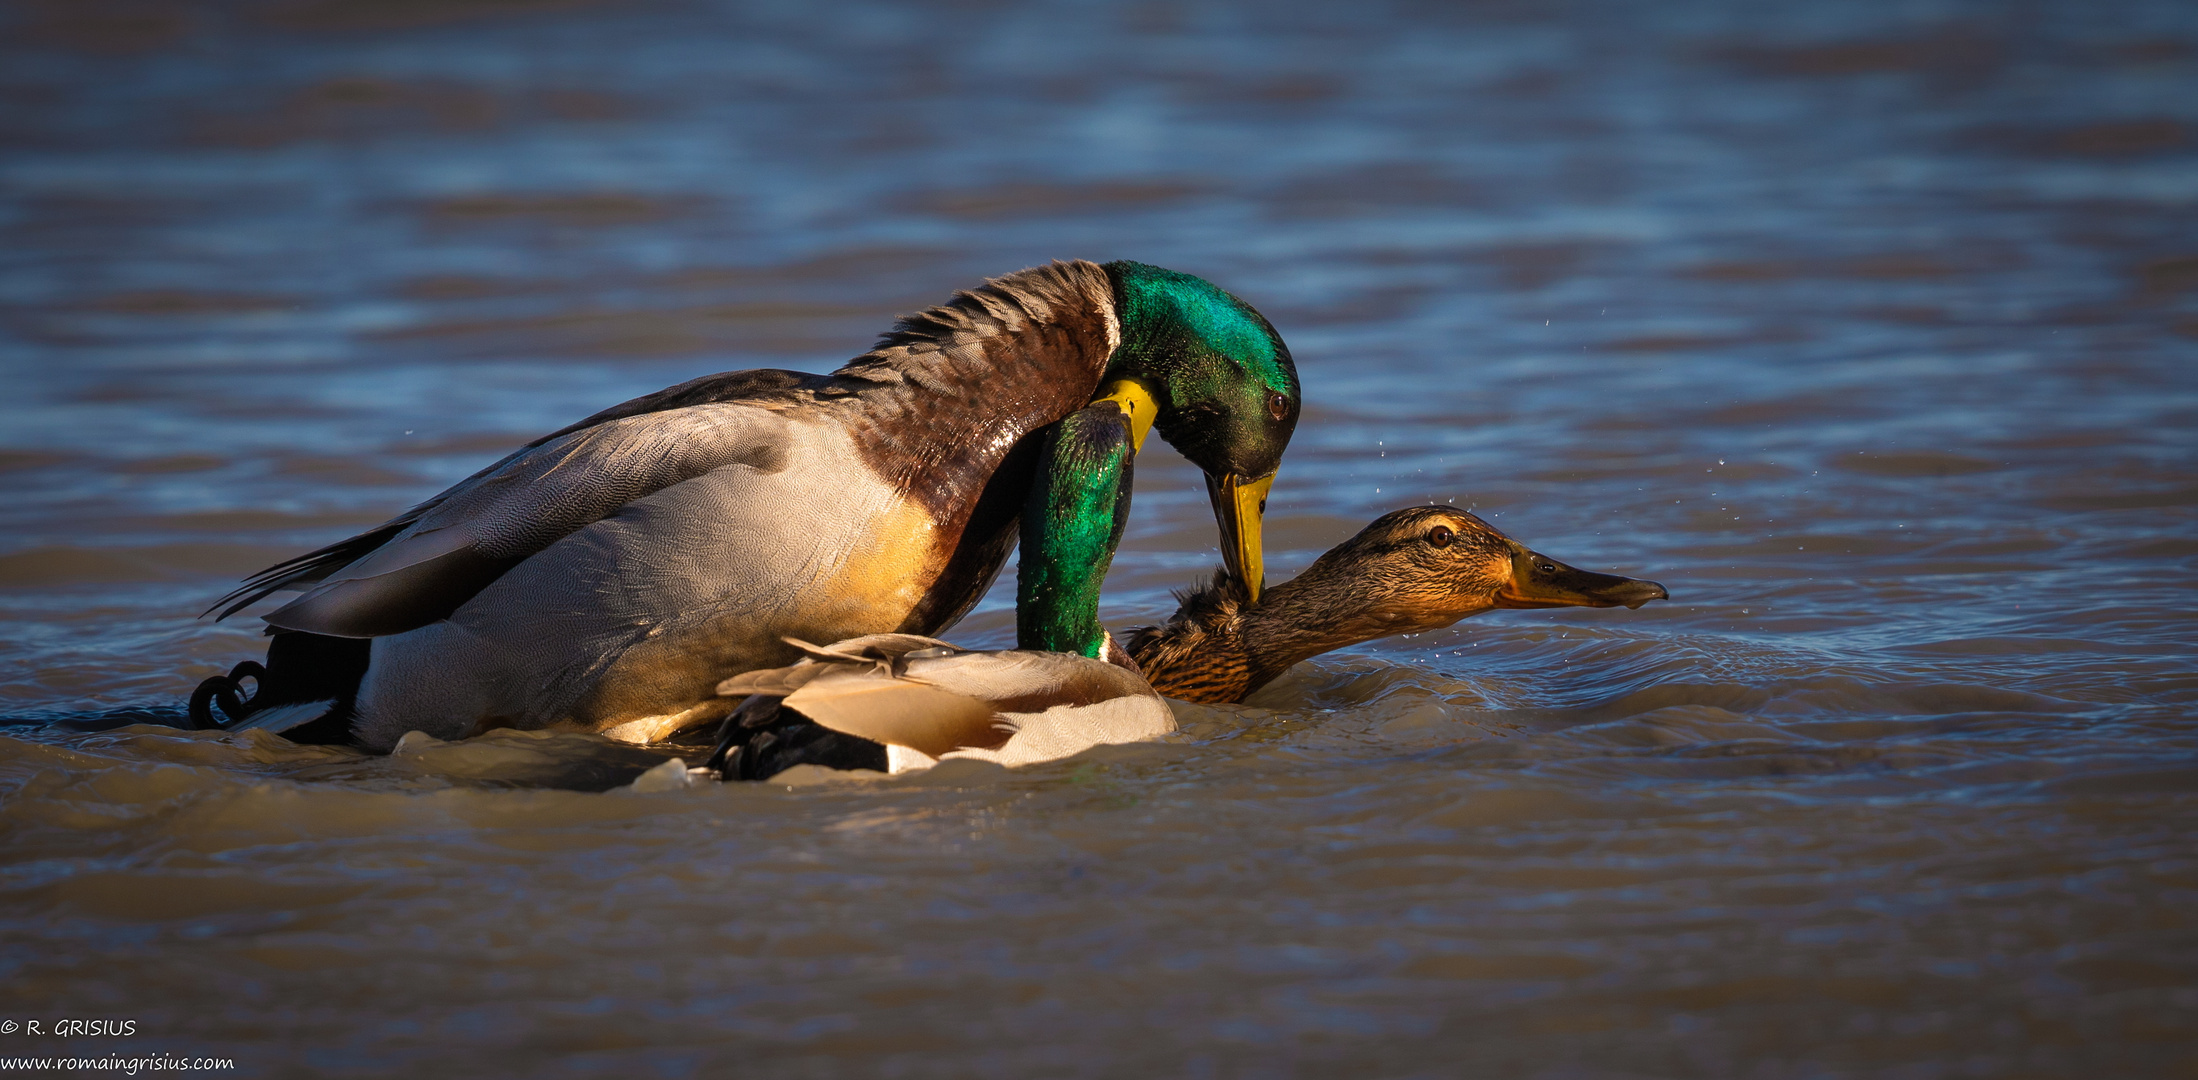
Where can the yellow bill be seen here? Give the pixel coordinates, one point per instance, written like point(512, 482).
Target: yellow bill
point(1238, 504)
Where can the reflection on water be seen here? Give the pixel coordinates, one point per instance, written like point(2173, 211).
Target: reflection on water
point(1867, 329)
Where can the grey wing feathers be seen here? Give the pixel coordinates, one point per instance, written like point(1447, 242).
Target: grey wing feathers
point(764, 385)
point(459, 542)
point(758, 386)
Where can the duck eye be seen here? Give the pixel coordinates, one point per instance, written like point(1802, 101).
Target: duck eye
point(1548, 568)
point(1277, 406)
point(1440, 536)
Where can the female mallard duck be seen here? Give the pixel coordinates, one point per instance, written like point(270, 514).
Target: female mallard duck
point(608, 575)
point(906, 699)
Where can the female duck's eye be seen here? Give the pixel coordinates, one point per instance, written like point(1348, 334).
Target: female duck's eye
point(1440, 536)
point(1277, 406)
point(1548, 569)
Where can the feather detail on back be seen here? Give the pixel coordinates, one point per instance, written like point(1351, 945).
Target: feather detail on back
point(1058, 294)
point(479, 529)
point(950, 391)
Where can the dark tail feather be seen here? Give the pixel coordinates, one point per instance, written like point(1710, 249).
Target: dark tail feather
point(302, 671)
point(303, 570)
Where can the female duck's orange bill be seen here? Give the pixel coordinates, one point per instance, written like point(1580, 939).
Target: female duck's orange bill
point(1538, 581)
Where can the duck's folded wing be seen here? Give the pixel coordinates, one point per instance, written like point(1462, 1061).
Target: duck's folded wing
point(765, 385)
point(771, 682)
point(1029, 680)
point(871, 704)
point(1058, 704)
point(440, 554)
point(949, 699)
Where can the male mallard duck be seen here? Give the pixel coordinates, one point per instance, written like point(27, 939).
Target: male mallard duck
point(1413, 570)
point(608, 575)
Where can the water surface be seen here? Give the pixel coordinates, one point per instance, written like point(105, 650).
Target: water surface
point(1867, 329)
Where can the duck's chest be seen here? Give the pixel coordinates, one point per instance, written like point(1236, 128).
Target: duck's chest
point(828, 544)
point(961, 471)
point(971, 540)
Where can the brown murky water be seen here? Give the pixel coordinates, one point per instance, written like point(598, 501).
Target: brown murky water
point(1868, 329)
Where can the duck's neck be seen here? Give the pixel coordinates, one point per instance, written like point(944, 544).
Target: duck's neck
point(1302, 618)
point(1219, 647)
point(1071, 523)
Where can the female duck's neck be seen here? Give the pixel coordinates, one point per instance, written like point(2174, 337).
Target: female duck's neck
point(1218, 647)
point(1298, 620)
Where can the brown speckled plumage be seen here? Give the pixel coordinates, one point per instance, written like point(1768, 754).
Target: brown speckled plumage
point(1198, 654)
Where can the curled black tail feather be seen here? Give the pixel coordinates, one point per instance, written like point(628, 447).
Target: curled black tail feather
point(227, 692)
point(300, 668)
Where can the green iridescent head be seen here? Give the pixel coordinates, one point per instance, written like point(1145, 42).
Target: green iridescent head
point(1225, 383)
point(1226, 391)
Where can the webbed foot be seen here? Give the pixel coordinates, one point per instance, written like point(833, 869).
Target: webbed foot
point(761, 739)
point(805, 743)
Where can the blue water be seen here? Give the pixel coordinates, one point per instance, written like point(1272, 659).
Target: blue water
point(1867, 329)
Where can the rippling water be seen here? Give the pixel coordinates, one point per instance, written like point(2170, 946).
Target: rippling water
point(1867, 329)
